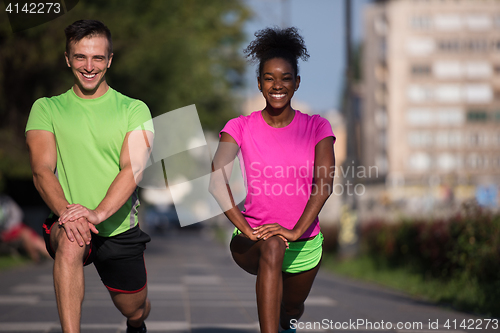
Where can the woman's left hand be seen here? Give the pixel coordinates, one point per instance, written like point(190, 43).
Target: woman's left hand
point(268, 230)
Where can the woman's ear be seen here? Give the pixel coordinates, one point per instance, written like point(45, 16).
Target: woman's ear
point(297, 82)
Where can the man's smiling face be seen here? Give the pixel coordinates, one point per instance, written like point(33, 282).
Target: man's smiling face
point(89, 59)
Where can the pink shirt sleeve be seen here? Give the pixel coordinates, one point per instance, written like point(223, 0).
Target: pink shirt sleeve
point(323, 129)
point(235, 129)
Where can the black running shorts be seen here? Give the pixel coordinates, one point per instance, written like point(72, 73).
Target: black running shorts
point(119, 259)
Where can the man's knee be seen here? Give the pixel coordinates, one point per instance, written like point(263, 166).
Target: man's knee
point(66, 249)
point(273, 250)
point(133, 306)
point(137, 313)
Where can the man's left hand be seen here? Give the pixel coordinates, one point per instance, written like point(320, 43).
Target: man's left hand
point(75, 211)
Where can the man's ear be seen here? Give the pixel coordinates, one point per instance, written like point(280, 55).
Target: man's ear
point(67, 59)
point(110, 59)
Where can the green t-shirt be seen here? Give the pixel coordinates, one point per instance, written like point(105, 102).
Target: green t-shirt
point(89, 136)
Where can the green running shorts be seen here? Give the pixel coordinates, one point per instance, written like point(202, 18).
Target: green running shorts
point(302, 255)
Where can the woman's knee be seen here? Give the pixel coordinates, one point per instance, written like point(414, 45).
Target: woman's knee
point(293, 310)
point(272, 251)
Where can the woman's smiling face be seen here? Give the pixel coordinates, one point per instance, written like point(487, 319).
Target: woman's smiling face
point(278, 83)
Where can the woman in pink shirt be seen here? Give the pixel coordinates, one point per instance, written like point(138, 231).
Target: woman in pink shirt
point(287, 161)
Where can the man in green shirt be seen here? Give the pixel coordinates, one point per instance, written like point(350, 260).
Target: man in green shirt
point(88, 148)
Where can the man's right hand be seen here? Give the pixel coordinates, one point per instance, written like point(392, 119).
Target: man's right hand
point(79, 231)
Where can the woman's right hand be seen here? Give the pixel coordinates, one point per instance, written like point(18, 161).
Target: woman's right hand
point(254, 238)
point(250, 235)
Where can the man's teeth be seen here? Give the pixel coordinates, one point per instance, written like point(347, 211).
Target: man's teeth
point(278, 96)
point(89, 76)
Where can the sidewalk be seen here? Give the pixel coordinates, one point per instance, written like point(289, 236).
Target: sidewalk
point(195, 286)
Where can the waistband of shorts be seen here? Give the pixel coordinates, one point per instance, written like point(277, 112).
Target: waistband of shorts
point(300, 242)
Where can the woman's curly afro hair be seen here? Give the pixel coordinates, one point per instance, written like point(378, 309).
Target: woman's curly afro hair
point(277, 43)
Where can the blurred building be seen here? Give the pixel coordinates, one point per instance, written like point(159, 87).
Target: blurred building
point(431, 108)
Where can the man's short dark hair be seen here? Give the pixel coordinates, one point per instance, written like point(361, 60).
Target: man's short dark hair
point(87, 28)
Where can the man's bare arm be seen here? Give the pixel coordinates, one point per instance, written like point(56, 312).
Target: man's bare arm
point(43, 159)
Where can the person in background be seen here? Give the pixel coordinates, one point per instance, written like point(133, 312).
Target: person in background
point(13, 230)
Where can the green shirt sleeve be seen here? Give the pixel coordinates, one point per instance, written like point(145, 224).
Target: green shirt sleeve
point(139, 117)
point(39, 118)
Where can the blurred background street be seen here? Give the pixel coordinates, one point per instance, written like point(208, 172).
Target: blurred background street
point(194, 286)
point(412, 91)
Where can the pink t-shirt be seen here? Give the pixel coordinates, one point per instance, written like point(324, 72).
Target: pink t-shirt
point(277, 165)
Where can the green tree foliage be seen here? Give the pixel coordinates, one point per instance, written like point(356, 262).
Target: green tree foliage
point(167, 53)
point(466, 247)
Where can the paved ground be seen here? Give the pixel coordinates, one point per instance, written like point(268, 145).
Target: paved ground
point(194, 286)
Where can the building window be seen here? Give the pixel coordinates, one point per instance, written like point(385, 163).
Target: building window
point(419, 117)
point(478, 22)
point(381, 118)
point(382, 139)
point(495, 161)
point(380, 25)
point(382, 163)
point(474, 116)
point(496, 21)
point(449, 45)
point(496, 139)
point(420, 46)
point(381, 72)
point(420, 161)
point(446, 162)
point(477, 45)
point(442, 139)
point(454, 69)
point(455, 139)
point(448, 22)
point(475, 161)
point(419, 139)
point(447, 69)
point(449, 139)
point(477, 139)
point(421, 22)
point(450, 117)
point(420, 70)
point(478, 93)
point(419, 94)
point(382, 48)
point(476, 70)
point(448, 93)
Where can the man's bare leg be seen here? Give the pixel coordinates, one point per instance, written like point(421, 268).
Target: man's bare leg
point(134, 306)
point(68, 278)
